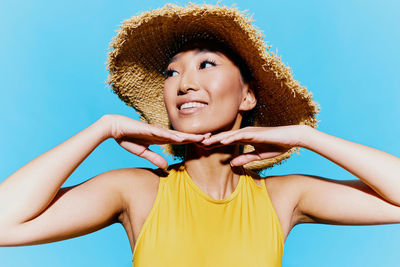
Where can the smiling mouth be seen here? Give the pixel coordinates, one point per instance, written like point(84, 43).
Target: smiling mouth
point(190, 105)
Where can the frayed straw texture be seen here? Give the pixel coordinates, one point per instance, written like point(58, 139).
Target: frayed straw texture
point(145, 43)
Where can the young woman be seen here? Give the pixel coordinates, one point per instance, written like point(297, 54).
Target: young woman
point(230, 108)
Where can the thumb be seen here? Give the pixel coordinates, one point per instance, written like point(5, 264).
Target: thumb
point(252, 156)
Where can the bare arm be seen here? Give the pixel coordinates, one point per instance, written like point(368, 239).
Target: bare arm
point(374, 199)
point(377, 169)
point(33, 208)
point(74, 211)
point(28, 191)
point(340, 202)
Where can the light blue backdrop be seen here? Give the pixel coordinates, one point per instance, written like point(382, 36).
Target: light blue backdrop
point(52, 69)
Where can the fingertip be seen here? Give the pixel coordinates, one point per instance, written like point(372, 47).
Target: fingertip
point(234, 163)
point(163, 165)
point(156, 159)
point(205, 141)
point(200, 138)
point(227, 141)
point(180, 138)
point(239, 161)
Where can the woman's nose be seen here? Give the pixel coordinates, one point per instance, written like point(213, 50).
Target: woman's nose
point(185, 88)
point(188, 82)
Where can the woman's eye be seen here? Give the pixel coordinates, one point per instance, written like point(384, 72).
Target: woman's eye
point(170, 73)
point(207, 63)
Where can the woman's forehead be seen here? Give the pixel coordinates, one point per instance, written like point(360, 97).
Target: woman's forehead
point(194, 52)
point(205, 46)
point(220, 48)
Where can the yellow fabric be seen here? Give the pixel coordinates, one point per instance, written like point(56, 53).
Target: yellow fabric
point(188, 228)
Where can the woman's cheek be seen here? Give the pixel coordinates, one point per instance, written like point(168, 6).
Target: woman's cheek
point(227, 108)
point(169, 106)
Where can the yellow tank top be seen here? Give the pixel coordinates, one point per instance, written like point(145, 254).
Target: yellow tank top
point(188, 228)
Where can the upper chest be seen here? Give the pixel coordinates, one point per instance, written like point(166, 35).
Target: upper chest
point(142, 204)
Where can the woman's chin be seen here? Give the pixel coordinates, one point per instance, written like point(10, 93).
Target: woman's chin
point(203, 129)
point(193, 130)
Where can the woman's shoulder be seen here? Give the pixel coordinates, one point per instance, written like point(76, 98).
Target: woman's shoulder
point(136, 179)
point(139, 183)
point(272, 182)
point(284, 192)
point(138, 188)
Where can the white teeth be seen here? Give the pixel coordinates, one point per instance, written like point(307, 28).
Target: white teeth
point(192, 105)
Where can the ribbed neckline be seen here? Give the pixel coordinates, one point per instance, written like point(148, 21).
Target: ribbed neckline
point(207, 197)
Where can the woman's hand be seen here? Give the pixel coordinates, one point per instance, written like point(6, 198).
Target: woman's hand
point(267, 141)
point(136, 136)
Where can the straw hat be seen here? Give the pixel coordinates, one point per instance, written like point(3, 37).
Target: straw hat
point(144, 44)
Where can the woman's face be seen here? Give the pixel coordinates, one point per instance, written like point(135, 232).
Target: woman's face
point(204, 92)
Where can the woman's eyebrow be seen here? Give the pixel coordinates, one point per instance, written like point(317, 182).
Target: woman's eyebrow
point(173, 59)
point(204, 51)
point(199, 51)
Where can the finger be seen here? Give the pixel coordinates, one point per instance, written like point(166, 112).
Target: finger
point(252, 156)
point(169, 137)
point(162, 134)
point(154, 158)
point(192, 137)
point(174, 139)
point(242, 137)
point(176, 135)
point(244, 158)
point(143, 151)
point(207, 135)
point(218, 137)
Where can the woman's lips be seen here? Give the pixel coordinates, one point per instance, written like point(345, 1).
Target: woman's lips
point(190, 111)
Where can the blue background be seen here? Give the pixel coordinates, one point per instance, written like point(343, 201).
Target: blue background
point(52, 69)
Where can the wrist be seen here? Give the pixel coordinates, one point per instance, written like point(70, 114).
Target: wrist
point(306, 134)
point(105, 126)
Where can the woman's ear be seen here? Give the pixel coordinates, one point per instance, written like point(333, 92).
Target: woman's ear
point(249, 101)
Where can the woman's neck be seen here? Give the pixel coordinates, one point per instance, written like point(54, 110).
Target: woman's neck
point(210, 169)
